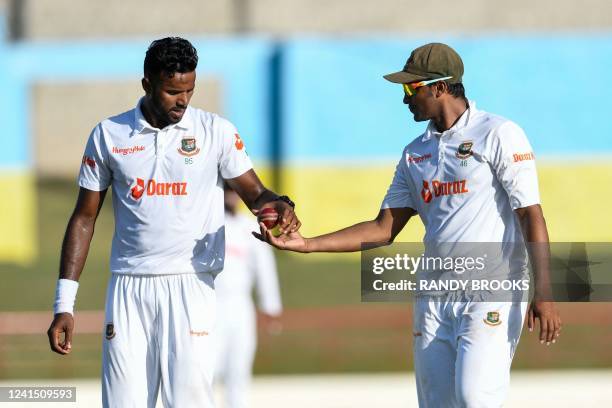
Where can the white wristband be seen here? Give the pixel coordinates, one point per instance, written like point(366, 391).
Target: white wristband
point(65, 295)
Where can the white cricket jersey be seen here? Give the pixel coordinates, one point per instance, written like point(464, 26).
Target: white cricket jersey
point(167, 189)
point(248, 263)
point(466, 182)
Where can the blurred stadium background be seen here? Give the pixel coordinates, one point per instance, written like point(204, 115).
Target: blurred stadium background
point(302, 81)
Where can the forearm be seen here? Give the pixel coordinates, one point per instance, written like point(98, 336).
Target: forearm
point(76, 246)
point(264, 197)
point(350, 239)
point(535, 234)
point(251, 190)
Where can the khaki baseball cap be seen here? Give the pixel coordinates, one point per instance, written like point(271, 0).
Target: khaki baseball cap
point(430, 61)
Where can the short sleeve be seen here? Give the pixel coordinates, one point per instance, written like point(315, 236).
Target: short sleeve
point(95, 173)
point(233, 158)
point(513, 162)
point(400, 194)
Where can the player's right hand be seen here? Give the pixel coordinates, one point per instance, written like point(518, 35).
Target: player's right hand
point(62, 323)
point(292, 241)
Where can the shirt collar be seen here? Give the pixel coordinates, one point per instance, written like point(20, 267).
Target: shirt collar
point(462, 122)
point(140, 123)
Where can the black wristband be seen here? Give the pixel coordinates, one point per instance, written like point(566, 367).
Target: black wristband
point(286, 199)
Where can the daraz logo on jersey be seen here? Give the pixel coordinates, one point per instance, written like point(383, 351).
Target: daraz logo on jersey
point(519, 157)
point(155, 188)
point(442, 188)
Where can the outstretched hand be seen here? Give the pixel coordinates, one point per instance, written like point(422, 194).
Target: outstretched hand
point(292, 241)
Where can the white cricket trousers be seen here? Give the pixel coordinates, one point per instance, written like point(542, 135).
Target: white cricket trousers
point(157, 332)
point(235, 342)
point(463, 351)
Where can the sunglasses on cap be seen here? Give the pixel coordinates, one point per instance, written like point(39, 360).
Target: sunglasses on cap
point(410, 89)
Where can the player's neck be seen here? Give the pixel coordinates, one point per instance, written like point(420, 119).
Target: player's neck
point(147, 112)
point(450, 112)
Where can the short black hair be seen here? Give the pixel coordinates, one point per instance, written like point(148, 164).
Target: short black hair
point(457, 90)
point(170, 55)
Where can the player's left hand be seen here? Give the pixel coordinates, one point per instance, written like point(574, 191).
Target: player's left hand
point(550, 321)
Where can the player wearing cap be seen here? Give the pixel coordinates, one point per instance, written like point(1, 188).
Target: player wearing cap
point(249, 264)
point(470, 177)
point(166, 163)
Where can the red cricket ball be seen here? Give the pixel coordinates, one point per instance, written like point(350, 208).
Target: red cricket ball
point(269, 217)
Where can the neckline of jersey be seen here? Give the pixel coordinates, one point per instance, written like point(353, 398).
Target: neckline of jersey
point(140, 123)
point(461, 123)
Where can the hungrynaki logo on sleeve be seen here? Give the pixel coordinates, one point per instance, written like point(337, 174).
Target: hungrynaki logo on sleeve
point(188, 147)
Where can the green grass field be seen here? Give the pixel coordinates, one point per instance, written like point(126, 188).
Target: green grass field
point(335, 332)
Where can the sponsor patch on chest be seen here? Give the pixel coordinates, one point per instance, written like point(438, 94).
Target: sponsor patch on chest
point(418, 159)
point(157, 188)
point(439, 188)
point(124, 151)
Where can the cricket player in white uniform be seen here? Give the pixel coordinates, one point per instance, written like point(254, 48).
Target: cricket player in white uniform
point(249, 264)
point(166, 163)
point(471, 177)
